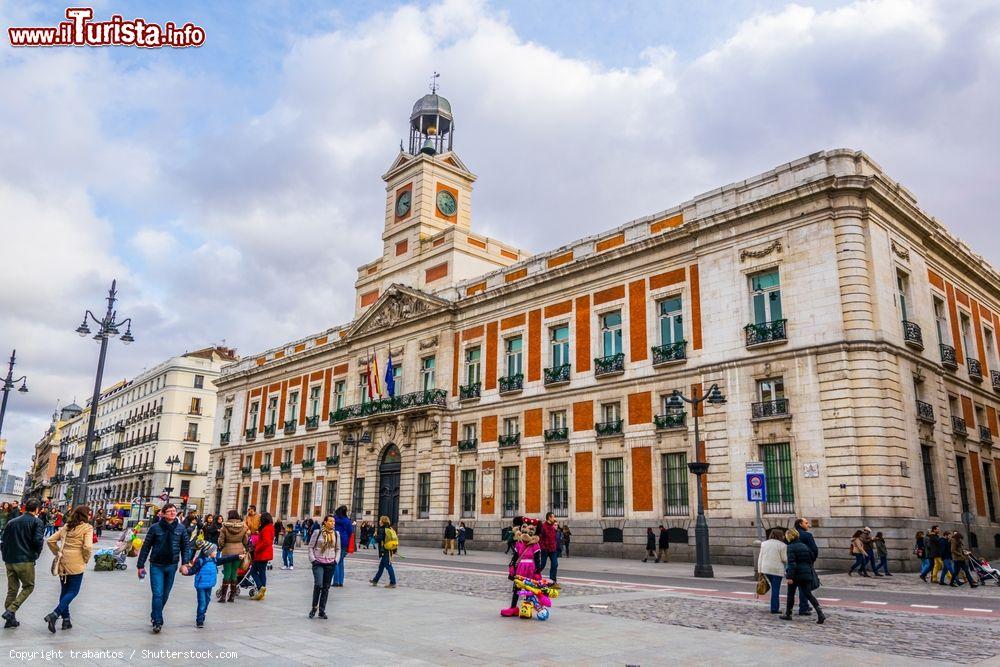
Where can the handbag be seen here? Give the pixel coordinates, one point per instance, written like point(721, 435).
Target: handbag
point(350, 544)
point(815, 581)
point(57, 561)
point(763, 585)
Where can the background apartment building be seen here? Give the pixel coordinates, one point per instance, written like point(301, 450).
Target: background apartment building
point(853, 337)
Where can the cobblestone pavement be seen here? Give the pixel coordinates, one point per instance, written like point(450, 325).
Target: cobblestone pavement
point(886, 633)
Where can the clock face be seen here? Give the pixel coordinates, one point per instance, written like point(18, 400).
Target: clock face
point(403, 203)
point(446, 203)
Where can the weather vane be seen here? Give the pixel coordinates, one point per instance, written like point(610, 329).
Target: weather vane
point(434, 84)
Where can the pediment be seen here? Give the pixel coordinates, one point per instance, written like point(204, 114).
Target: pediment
point(397, 304)
point(400, 160)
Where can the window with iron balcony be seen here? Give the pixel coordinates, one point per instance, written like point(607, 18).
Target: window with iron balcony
point(289, 427)
point(558, 372)
point(985, 435)
point(613, 360)
point(925, 412)
point(949, 359)
point(513, 356)
point(958, 426)
point(975, 369)
point(471, 389)
point(768, 326)
point(672, 347)
point(772, 403)
point(312, 422)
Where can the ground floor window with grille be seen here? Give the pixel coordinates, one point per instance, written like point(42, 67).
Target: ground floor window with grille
point(331, 497)
point(559, 488)
point(358, 501)
point(423, 495)
point(963, 487)
point(283, 502)
point(778, 474)
point(265, 496)
point(468, 493)
point(925, 456)
point(511, 490)
point(613, 487)
point(245, 501)
point(675, 484)
point(307, 493)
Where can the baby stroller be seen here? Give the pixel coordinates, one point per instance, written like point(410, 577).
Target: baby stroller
point(246, 582)
point(982, 569)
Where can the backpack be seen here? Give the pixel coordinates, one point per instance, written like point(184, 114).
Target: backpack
point(391, 541)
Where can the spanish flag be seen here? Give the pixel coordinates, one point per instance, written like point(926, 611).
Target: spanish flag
point(374, 379)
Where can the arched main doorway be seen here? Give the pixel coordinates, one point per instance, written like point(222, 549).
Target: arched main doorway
point(388, 483)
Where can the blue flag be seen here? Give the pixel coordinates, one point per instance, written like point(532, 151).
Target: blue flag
point(390, 378)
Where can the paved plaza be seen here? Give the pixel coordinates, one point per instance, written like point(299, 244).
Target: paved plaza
point(445, 611)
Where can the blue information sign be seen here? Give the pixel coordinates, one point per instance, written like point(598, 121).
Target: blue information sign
point(756, 487)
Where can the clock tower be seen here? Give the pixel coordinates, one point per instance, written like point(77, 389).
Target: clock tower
point(428, 242)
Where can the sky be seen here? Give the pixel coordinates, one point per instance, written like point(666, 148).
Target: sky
point(234, 188)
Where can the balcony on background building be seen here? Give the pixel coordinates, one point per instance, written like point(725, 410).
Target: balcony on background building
point(925, 412)
point(468, 392)
point(219, 473)
point(468, 445)
point(312, 422)
point(611, 365)
point(511, 383)
point(286, 466)
point(269, 430)
point(995, 379)
point(509, 440)
point(670, 420)
point(609, 428)
point(556, 434)
point(912, 335)
point(985, 435)
point(670, 353)
point(958, 426)
point(246, 470)
point(775, 409)
point(290, 427)
point(557, 375)
point(308, 464)
point(265, 468)
point(417, 401)
point(766, 333)
point(975, 369)
point(251, 434)
point(224, 438)
point(333, 460)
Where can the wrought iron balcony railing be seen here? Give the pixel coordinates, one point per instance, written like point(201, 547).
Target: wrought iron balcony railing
point(509, 440)
point(610, 365)
point(308, 464)
point(265, 468)
point(333, 460)
point(290, 427)
point(224, 438)
point(312, 422)
point(985, 435)
point(995, 379)
point(609, 428)
point(975, 369)
point(219, 473)
point(428, 398)
point(556, 434)
point(925, 412)
point(912, 335)
point(670, 420)
point(251, 434)
point(948, 357)
point(469, 391)
point(557, 375)
point(269, 430)
point(958, 426)
point(667, 354)
point(511, 383)
point(770, 409)
point(286, 466)
point(766, 333)
point(468, 445)
point(246, 470)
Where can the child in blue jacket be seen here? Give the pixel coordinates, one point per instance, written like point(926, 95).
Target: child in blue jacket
point(205, 568)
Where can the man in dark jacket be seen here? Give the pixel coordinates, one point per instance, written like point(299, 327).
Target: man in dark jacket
point(22, 541)
point(664, 546)
point(449, 538)
point(932, 552)
point(166, 544)
point(800, 575)
point(803, 525)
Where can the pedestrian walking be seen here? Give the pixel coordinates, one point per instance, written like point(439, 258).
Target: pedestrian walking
point(947, 565)
point(210, 529)
point(547, 543)
point(933, 546)
point(287, 549)
point(99, 520)
point(252, 520)
point(21, 544)
point(960, 558)
point(263, 553)
point(920, 551)
point(650, 545)
point(566, 537)
point(507, 535)
point(72, 545)
point(233, 541)
point(800, 576)
point(205, 568)
point(345, 529)
point(279, 529)
point(663, 546)
point(869, 544)
point(771, 563)
point(803, 526)
point(387, 542)
point(858, 551)
point(324, 549)
point(462, 533)
point(882, 553)
point(167, 543)
point(4, 517)
point(450, 535)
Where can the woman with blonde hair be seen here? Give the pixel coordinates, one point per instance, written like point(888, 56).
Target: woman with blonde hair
point(324, 549)
point(799, 574)
point(71, 558)
point(385, 553)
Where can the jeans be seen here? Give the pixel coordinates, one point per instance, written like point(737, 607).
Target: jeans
point(204, 597)
point(963, 566)
point(20, 583)
point(775, 581)
point(925, 566)
point(338, 570)
point(859, 564)
point(461, 548)
point(554, 570)
point(322, 574)
point(258, 571)
point(385, 563)
point(287, 557)
point(161, 580)
point(566, 547)
point(947, 567)
point(870, 560)
point(804, 586)
point(69, 588)
point(883, 564)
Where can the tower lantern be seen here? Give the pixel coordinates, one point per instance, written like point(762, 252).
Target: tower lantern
point(431, 123)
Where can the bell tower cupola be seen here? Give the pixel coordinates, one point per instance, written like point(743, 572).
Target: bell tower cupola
point(432, 126)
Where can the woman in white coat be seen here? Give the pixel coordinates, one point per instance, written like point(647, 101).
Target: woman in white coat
point(771, 563)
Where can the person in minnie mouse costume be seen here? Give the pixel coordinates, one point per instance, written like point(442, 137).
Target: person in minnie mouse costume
point(527, 559)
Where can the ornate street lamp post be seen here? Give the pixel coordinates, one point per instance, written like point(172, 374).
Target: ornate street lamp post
point(172, 461)
point(703, 564)
point(349, 441)
point(8, 384)
point(107, 327)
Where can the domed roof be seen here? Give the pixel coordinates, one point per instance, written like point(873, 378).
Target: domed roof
point(432, 103)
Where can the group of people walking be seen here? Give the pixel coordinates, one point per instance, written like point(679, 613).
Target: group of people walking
point(943, 554)
point(790, 556)
point(869, 551)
